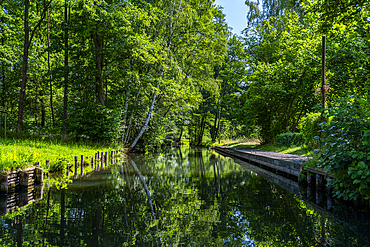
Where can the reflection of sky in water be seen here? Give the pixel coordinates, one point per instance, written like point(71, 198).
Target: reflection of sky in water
point(199, 198)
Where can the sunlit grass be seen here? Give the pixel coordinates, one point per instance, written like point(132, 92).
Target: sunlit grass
point(17, 154)
point(298, 150)
point(239, 141)
point(256, 144)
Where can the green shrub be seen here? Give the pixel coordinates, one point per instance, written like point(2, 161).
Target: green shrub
point(58, 165)
point(309, 126)
point(288, 139)
point(346, 147)
point(93, 122)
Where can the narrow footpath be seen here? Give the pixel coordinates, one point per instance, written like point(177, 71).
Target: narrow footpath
point(288, 163)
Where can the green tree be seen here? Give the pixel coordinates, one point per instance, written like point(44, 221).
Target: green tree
point(282, 74)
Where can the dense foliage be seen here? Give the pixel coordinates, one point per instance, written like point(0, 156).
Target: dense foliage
point(346, 147)
point(106, 70)
point(288, 139)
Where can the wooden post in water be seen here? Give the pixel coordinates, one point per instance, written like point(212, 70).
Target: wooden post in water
point(96, 157)
point(82, 165)
point(102, 159)
point(105, 159)
point(76, 166)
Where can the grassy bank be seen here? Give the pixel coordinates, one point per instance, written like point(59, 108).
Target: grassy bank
point(255, 144)
point(18, 154)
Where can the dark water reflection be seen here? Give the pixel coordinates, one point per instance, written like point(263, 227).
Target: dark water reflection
point(199, 198)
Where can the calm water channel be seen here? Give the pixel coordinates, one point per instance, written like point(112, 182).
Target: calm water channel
point(199, 198)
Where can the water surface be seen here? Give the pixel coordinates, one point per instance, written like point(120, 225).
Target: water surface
point(198, 198)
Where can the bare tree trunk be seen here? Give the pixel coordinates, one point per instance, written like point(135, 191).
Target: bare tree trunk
point(219, 124)
point(27, 42)
point(43, 113)
point(99, 66)
point(66, 70)
point(129, 128)
point(2, 66)
point(124, 117)
point(168, 110)
point(323, 64)
point(131, 117)
point(214, 129)
point(132, 145)
point(24, 67)
point(172, 27)
point(288, 114)
point(298, 118)
point(51, 82)
point(201, 129)
point(3, 73)
point(181, 132)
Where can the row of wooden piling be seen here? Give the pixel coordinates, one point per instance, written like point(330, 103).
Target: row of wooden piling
point(317, 187)
point(99, 161)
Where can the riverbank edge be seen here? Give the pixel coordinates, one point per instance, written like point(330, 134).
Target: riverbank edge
point(33, 175)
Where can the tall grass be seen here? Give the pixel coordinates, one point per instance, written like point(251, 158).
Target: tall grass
point(18, 154)
point(240, 141)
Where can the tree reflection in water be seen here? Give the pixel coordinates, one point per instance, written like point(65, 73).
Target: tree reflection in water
point(198, 198)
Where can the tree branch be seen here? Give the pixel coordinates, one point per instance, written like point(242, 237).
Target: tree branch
point(39, 22)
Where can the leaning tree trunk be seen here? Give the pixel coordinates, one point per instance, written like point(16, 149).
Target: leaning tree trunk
point(132, 145)
point(168, 46)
